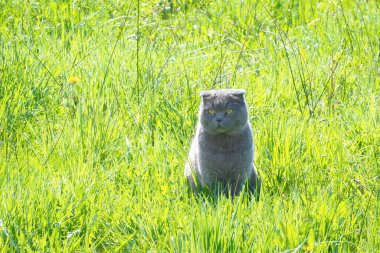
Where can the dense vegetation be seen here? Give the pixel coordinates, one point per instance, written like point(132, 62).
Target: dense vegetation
point(98, 103)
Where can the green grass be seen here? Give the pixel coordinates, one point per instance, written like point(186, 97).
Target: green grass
point(98, 103)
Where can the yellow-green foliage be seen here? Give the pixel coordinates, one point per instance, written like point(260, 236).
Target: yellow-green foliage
point(98, 102)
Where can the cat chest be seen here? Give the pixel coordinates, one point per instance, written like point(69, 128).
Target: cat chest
point(225, 162)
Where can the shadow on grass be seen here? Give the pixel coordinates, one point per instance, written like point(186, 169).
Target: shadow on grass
point(213, 194)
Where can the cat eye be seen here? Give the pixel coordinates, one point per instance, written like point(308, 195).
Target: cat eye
point(229, 111)
point(211, 111)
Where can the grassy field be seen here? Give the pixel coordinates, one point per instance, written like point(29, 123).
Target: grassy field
point(98, 103)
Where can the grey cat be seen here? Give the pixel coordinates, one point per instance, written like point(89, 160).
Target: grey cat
point(222, 150)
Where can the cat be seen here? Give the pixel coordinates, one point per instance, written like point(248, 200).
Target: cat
point(222, 150)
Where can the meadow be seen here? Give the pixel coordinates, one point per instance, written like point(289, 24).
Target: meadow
point(98, 105)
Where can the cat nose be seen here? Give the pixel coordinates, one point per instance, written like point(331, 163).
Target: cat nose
point(218, 120)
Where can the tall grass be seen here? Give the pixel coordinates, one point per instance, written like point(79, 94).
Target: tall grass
point(98, 103)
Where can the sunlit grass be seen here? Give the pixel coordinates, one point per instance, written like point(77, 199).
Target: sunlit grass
point(93, 141)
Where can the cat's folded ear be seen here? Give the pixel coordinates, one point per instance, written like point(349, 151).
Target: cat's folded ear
point(205, 93)
point(238, 93)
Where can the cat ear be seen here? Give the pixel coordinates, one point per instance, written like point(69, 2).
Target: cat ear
point(239, 94)
point(205, 93)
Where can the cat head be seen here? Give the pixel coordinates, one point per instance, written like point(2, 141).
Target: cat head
point(223, 111)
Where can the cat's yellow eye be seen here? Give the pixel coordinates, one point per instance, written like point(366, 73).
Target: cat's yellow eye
point(211, 111)
point(229, 111)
